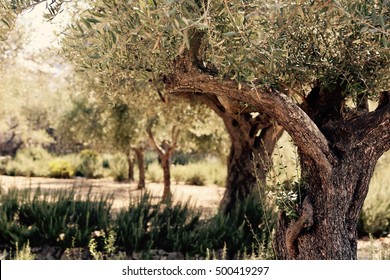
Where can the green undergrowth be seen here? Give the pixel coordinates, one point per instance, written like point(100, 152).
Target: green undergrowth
point(51, 218)
point(66, 220)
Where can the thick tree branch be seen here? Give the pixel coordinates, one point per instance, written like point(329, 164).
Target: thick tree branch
point(369, 130)
point(280, 107)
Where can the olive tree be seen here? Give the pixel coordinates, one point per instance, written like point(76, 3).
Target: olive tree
point(133, 44)
point(309, 67)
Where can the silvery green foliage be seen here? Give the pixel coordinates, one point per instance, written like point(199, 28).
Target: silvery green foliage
point(288, 44)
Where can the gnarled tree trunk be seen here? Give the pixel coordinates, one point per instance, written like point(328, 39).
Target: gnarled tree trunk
point(329, 230)
point(253, 137)
point(339, 148)
point(248, 152)
point(358, 139)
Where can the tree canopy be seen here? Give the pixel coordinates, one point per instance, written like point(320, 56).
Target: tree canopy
point(290, 45)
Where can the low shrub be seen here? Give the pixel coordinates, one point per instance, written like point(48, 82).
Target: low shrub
point(90, 165)
point(60, 168)
point(198, 174)
point(29, 162)
point(154, 173)
point(65, 219)
point(145, 225)
point(196, 179)
point(51, 218)
point(119, 168)
point(242, 231)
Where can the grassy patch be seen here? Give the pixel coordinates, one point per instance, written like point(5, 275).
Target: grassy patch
point(64, 219)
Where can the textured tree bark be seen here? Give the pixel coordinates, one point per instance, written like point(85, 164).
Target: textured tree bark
point(336, 204)
point(253, 138)
point(249, 151)
point(336, 199)
point(139, 154)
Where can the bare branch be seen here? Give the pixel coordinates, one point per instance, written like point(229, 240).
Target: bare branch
point(153, 142)
point(175, 137)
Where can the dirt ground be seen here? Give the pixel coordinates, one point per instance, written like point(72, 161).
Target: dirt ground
point(205, 198)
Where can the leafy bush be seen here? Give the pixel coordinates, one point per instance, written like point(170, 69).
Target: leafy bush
point(144, 226)
point(90, 165)
point(3, 163)
point(119, 168)
point(243, 230)
point(198, 174)
point(52, 218)
point(60, 168)
point(29, 162)
point(177, 227)
point(65, 219)
point(196, 179)
point(154, 173)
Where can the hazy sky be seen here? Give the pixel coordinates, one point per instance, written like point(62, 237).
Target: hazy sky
point(41, 35)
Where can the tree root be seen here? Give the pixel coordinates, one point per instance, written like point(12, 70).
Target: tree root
point(294, 230)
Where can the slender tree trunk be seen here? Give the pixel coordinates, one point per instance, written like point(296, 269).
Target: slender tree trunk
point(130, 170)
point(165, 151)
point(165, 163)
point(139, 153)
